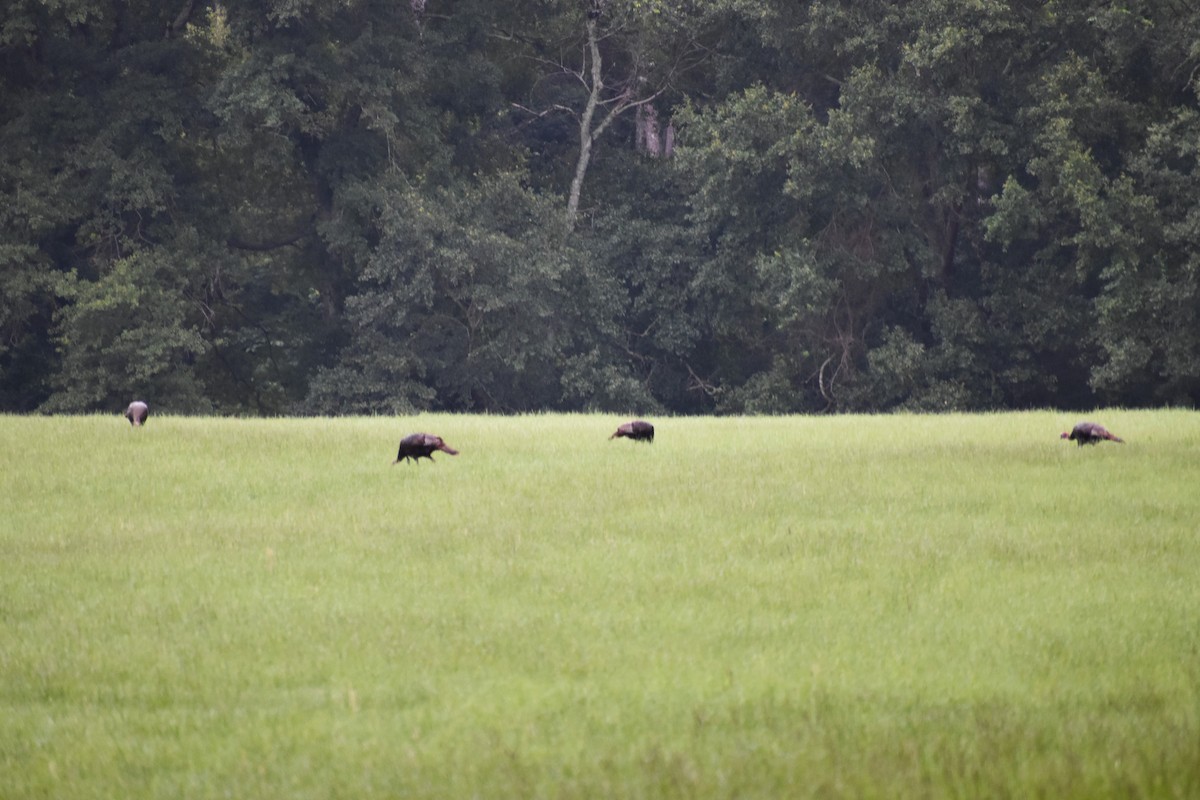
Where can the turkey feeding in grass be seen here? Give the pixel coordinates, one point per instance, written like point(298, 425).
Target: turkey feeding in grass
point(1089, 433)
point(421, 445)
point(137, 413)
point(639, 430)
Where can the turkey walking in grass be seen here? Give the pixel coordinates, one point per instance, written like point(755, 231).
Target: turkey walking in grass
point(416, 446)
point(638, 430)
point(1089, 433)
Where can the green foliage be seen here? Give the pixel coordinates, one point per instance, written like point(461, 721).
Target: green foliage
point(124, 336)
point(1148, 317)
point(866, 205)
point(968, 198)
point(28, 294)
point(461, 297)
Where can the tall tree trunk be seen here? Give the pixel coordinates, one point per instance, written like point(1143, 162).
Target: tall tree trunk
point(589, 128)
point(586, 134)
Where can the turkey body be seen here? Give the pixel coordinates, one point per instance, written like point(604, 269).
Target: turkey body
point(137, 413)
point(421, 445)
point(639, 430)
point(1089, 433)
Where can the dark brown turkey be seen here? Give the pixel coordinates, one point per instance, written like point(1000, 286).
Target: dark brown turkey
point(421, 445)
point(137, 413)
point(639, 430)
point(1089, 433)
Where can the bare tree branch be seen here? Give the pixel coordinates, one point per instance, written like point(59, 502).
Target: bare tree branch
point(548, 110)
point(238, 243)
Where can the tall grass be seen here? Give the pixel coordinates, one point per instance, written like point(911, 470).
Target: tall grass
point(901, 606)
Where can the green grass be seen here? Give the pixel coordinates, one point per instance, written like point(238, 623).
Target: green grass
point(899, 606)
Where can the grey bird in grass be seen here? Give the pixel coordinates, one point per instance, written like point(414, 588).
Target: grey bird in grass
point(137, 413)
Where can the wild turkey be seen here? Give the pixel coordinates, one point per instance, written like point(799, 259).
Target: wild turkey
point(137, 413)
point(1089, 433)
point(421, 445)
point(639, 430)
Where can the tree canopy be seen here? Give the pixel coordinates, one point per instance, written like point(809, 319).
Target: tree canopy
point(687, 206)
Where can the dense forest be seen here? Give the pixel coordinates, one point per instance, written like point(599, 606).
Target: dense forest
point(668, 206)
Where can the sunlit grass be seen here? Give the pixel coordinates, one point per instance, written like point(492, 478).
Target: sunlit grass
point(886, 606)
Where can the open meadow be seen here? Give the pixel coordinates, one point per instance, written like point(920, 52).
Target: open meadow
point(899, 606)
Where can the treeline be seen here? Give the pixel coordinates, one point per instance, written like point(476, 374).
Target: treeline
point(688, 206)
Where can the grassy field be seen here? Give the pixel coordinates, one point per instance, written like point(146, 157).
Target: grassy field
point(899, 606)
